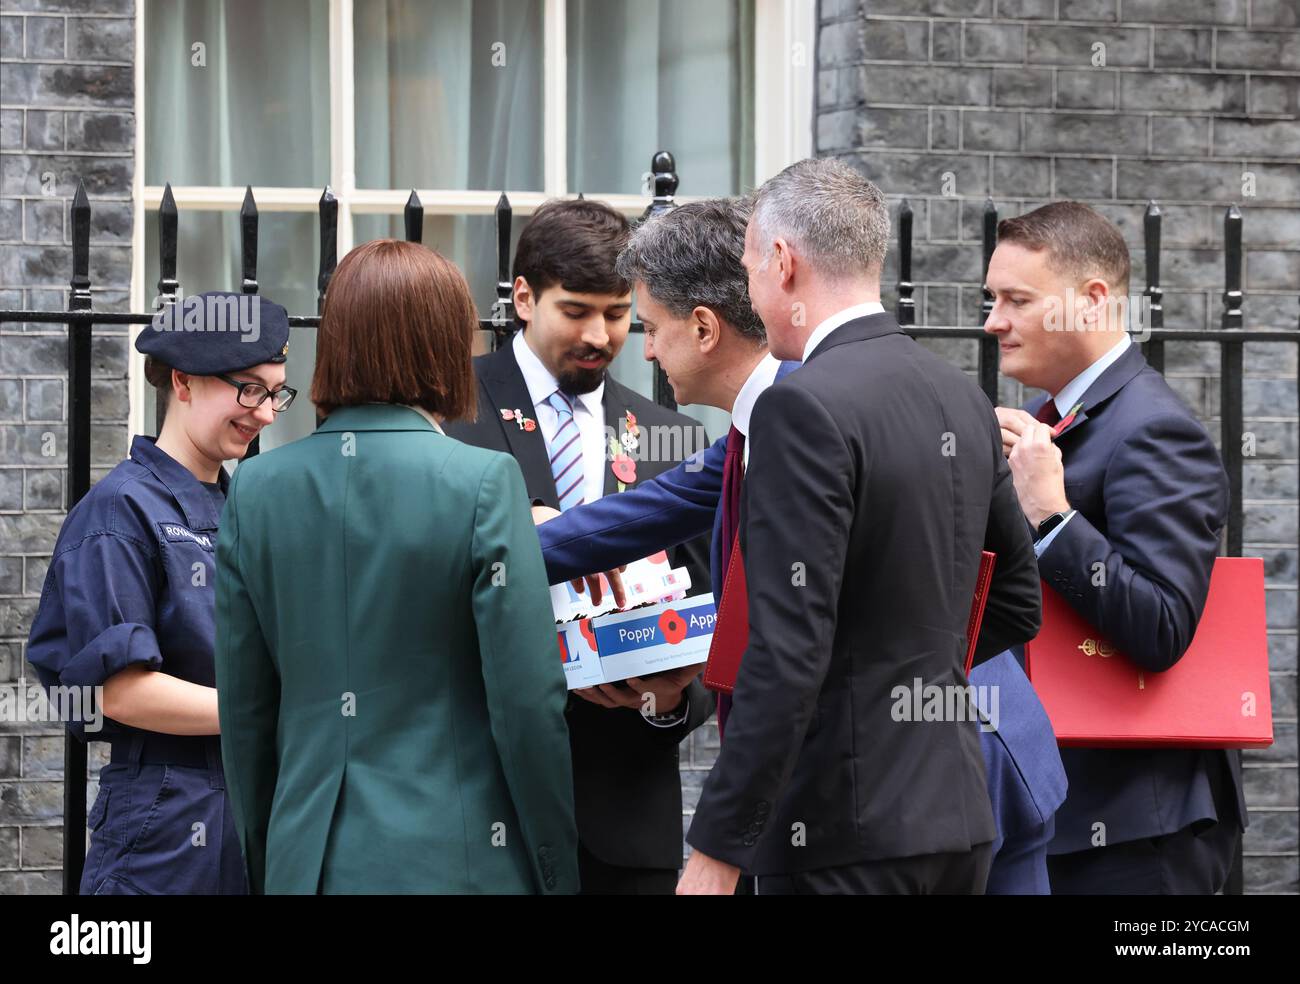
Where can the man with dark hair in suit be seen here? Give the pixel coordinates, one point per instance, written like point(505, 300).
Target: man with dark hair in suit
point(1126, 499)
point(875, 479)
point(547, 398)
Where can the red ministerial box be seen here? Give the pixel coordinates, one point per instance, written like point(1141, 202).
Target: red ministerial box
point(1216, 696)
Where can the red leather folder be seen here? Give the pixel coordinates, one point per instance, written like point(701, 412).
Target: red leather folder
point(731, 630)
point(982, 580)
point(1215, 696)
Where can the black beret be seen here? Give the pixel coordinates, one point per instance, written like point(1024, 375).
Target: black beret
point(217, 332)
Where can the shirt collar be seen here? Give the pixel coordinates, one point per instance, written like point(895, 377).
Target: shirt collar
point(541, 384)
point(433, 421)
point(838, 319)
point(195, 501)
point(763, 375)
point(1072, 392)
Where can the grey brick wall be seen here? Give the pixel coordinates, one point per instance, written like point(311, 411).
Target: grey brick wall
point(66, 112)
point(1110, 102)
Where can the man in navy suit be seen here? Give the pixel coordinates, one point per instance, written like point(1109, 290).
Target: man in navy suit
point(686, 277)
point(1126, 501)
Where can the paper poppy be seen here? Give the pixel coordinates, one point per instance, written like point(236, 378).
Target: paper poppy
point(624, 469)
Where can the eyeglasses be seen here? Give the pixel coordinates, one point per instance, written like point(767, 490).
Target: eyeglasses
point(253, 395)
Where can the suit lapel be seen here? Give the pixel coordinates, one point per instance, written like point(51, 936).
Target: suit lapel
point(504, 389)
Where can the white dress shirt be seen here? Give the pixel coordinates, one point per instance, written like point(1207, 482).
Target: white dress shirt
point(838, 319)
point(763, 376)
point(588, 414)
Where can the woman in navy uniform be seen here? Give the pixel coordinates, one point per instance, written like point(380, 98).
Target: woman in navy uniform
point(129, 604)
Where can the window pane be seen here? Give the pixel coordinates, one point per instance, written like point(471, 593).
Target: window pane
point(448, 94)
point(654, 75)
point(237, 92)
point(469, 241)
point(288, 256)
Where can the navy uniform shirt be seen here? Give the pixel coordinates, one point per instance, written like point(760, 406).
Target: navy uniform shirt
point(131, 579)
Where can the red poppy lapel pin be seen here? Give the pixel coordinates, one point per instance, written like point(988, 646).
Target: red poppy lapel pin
point(1067, 420)
point(623, 466)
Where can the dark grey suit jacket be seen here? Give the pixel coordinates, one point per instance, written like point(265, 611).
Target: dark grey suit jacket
point(876, 477)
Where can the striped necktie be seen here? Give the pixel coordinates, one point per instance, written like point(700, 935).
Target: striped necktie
point(566, 453)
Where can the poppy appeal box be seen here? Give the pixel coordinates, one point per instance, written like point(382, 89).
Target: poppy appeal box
point(665, 631)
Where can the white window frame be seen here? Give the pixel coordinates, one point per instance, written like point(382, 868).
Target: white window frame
point(784, 75)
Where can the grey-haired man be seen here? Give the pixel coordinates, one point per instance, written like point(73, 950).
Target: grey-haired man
point(876, 479)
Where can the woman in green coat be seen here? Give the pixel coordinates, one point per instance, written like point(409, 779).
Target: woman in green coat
point(390, 689)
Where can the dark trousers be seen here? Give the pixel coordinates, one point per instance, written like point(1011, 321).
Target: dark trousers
point(596, 877)
point(1186, 862)
point(162, 823)
point(952, 873)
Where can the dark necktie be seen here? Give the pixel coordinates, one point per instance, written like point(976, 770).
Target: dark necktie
point(733, 475)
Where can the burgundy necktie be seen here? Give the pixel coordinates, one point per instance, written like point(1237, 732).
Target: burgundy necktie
point(733, 474)
point(1048, 414)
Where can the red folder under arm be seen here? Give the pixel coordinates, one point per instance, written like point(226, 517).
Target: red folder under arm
point(1216, 696)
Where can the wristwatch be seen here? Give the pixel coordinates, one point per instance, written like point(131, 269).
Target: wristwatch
point(1051, 523)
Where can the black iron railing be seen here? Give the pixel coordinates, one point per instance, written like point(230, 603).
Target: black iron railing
point(80, 319)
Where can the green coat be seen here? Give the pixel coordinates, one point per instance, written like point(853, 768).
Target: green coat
point(390, 688)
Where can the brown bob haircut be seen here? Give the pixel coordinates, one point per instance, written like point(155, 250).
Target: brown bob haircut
point(397, 327)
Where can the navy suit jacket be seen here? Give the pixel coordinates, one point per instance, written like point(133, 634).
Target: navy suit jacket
point(1152, 498)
